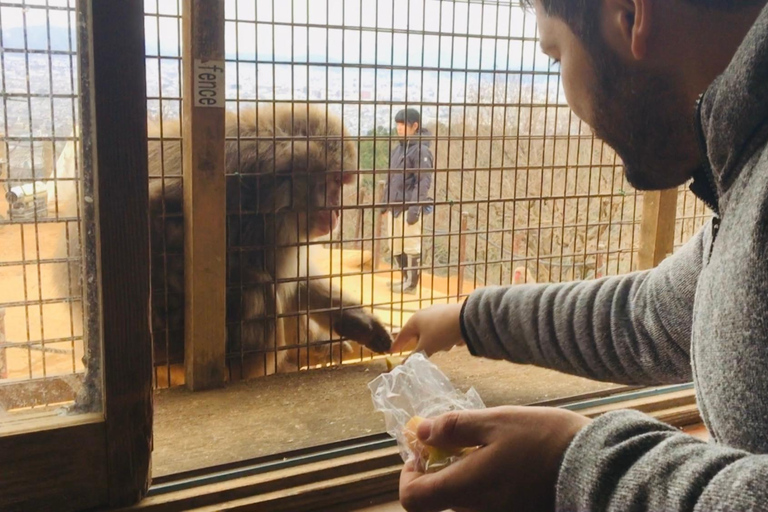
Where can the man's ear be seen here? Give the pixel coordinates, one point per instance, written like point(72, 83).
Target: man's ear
point(626, 26)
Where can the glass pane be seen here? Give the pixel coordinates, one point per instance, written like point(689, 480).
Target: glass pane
point(521, 192)
point(48, 366)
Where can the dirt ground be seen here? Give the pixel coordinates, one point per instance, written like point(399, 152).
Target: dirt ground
point(292, 411)
point(28, 281)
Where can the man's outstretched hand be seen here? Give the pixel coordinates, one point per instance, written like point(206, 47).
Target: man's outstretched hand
point(515, 468)
point(433, 329)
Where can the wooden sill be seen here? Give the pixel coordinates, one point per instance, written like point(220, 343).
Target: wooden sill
point(355, 481)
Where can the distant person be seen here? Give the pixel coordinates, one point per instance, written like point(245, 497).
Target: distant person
point(410, 176)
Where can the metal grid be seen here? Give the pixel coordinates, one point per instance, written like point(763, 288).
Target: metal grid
point(522, 190)
point(163, 51)
point(42, 333)
point(692, 214)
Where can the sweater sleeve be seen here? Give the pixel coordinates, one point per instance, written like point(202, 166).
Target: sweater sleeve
point(626, 461)
point(632, 329)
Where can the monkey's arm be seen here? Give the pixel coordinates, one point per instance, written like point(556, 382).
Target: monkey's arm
point(634, 328)
point(347, 316)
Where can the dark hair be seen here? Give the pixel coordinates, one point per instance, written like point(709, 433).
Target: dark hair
point(582, 15)
point(408, 116)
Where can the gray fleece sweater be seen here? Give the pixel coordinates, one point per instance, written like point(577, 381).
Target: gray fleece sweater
point(701, 315)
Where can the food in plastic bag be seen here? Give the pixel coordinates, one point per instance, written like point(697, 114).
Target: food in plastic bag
point(430, 458)
point(393, 361)
point(412, 391)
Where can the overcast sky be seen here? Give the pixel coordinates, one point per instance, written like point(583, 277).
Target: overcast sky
point(456, 34)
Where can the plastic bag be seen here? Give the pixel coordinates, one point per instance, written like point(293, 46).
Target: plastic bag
point(415, 390)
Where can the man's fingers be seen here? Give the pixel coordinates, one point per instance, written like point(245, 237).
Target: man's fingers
point(449, 488)
point(421, 492)
point(457, 429)
point(406, 337)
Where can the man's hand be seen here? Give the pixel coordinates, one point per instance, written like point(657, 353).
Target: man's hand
point(515, 468)
point(432, 330)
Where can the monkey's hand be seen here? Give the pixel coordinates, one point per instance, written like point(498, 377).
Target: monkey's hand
point(363, 327)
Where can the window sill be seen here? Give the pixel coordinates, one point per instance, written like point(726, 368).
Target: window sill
point(351, 481)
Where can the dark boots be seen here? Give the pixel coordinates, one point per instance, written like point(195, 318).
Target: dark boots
point(409, 268)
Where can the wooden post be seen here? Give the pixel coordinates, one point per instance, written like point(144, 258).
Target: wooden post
point(657, 228)
point(48, 159)
point(359, 222)
point(377, 221)
point(462, 253)
point(3, 162)
point(3, 360)
point(599, 260)
point(204, 194)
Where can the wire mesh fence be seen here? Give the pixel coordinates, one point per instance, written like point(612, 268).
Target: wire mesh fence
point(42, 335)
point(521, 190)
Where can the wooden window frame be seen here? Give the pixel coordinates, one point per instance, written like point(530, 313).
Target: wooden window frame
point(98, 460)
point(353, 474)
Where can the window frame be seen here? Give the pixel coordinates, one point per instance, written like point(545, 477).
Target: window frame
point(102, 459)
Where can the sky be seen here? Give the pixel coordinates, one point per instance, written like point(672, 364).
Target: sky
point(456, 34)
point(419, 33)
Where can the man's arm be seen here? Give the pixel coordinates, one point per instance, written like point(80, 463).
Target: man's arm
point(634, 328)
point(628, 461)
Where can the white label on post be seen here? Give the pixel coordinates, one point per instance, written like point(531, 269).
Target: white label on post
point(209, 83)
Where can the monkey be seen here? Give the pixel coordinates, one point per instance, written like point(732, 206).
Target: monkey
point(285, 167)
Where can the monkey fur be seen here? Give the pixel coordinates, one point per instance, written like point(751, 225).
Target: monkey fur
point(285, 168)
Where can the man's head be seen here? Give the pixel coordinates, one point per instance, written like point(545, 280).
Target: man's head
point(408, 121)
point(632, 70)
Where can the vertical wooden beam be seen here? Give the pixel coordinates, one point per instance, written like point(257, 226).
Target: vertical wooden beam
point(378, 218)
point(113, 106)
point(204, 194)
point(3, 360)
point(48, 159)
point(462, 253)
point(359, 221)
point(657, 227)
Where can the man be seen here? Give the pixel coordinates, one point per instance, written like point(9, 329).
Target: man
point(409, 182)
point(635, 70)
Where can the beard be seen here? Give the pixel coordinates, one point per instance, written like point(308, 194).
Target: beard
point(645, 117)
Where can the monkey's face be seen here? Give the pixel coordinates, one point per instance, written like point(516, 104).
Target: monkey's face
point(325, 201)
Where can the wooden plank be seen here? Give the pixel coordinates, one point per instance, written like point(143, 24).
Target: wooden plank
point(3, 355)
point(462, 254)
point(58, 469)
point(657, 228)
point(204, 194)
point(273, 484)
point(115, 103)
point(39, 392)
